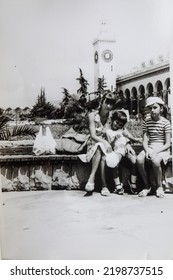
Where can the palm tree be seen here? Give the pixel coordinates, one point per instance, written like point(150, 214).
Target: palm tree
point(101, 86)
point(83, 87)
point(66, 96)
point(6, 133)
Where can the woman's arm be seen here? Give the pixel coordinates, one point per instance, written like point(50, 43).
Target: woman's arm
point(93, 134)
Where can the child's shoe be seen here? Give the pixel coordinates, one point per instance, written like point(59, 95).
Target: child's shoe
point(160, 192)
point(132, 187)
point(144, 192)
point(105, 191)
point(119, 189)
point(89, 187)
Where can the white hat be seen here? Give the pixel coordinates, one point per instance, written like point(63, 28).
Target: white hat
point(152, 100)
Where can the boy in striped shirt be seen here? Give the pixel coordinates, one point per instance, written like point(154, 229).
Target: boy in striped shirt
point(156, 146)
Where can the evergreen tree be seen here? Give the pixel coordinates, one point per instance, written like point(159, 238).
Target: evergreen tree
point(42, 108)
point(66, 96)
point(83, 87)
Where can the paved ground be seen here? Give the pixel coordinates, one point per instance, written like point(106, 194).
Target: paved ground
point(67, 225)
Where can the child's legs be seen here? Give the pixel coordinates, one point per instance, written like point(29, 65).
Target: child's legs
point(116, 171)
point(157, 170)
point(140, 160)
point(132, 159)
point(102, 171)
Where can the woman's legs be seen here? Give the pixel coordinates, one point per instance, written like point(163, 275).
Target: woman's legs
point(94, 165)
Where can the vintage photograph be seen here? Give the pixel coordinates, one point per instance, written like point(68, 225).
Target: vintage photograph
point(86, 130)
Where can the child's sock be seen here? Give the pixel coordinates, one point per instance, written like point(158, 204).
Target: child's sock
point(117, 183)
point(133, 179)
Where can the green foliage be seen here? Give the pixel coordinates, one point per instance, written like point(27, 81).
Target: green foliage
point(6, 133)
point(101, 85)
point(4, 119)
point(42, 108)
point(135, 128)
point(58, 113)
point(83, 84)
point(23, 130)
point(66, 96)
point(81, 124)
point(1, 111)
point(73, 107)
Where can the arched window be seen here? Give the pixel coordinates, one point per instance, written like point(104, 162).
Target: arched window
point(134, 101)
point(141, 91)
point(128, 101)
point(141, 99)
point(159, 89)
point(150, 90)
point(166, 90)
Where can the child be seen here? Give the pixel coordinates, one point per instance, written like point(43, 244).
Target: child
point(156, 144)
point(119, 138)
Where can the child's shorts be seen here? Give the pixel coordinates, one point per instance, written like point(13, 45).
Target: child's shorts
point(164, 155)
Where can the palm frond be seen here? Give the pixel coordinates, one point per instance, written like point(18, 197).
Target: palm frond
point(23, 130)
point(3, 121)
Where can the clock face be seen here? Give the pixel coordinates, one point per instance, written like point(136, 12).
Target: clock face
point(96, 57)
point(107, 55)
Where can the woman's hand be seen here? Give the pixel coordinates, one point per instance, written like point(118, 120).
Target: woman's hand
point(140, 140)
point(130, 149)
point(107, 147)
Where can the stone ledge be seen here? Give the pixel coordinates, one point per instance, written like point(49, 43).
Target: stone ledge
point(22, 158)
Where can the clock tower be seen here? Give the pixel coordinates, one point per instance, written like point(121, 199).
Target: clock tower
point(104, 58)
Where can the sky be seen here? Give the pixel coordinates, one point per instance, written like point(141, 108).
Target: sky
point(45, 42)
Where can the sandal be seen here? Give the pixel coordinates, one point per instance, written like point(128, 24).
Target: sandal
point(119, 189)
point(89, 187)
point(144, 192)
point(132, 187)
point(105, 191)
point(160, 192)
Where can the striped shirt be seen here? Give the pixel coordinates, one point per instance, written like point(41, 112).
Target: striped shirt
point(156, 130)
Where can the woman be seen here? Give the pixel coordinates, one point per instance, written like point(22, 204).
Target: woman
point(99, 122)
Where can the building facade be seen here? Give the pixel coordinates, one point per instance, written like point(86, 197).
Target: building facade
point(152, 79)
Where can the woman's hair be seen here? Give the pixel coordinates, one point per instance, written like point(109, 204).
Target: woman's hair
point(119, 116)
point(108, 96)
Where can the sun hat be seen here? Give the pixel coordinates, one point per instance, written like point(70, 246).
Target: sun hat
point(152, 100)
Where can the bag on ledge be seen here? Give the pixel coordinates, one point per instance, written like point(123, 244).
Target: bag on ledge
point(44, 142)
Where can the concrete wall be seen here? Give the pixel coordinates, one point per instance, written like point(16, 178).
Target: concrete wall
point(70, 164)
